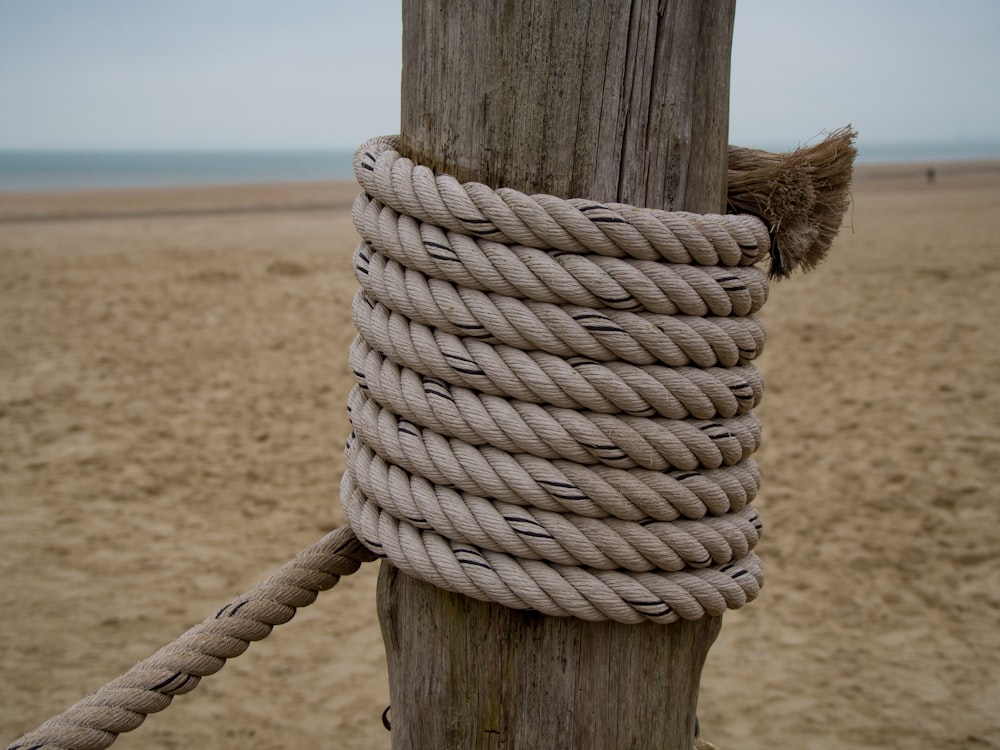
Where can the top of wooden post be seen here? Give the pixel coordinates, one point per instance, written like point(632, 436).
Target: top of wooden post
point(610, 101)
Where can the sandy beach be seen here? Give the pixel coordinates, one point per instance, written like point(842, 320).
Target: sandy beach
point(173, 381)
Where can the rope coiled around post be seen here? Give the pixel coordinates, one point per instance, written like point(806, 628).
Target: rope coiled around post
point(553, 408)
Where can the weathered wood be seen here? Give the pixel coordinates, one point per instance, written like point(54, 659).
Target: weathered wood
point(616, 102)
point(591, 99)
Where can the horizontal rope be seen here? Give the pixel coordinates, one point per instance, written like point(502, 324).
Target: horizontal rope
point(574, 383)
point(564, 538)
point(565, 330)
point(561, 278)
point(547, 222)
point(623, 442)
point(602, 491)
point(468, 359)
point(662, 597)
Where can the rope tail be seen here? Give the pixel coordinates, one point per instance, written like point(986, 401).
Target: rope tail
point(121, 705)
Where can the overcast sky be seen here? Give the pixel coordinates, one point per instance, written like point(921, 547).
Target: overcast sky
point(325, 73)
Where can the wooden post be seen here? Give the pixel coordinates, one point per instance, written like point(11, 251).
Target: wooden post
point(613, 101)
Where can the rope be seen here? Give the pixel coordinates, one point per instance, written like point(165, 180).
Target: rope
point(121, 705)
point(554, 398)
point(553, 411)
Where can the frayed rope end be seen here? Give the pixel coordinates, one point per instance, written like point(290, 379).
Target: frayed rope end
point(801, 196)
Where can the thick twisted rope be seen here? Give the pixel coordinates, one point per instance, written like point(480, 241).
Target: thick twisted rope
point(553, 408)
point(547, 222)
point(559, 277)
point(121, 705)
point(554, 398)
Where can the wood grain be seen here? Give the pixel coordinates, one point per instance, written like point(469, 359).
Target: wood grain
point(584, 99)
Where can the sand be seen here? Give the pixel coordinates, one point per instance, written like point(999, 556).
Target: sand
point(172, 386)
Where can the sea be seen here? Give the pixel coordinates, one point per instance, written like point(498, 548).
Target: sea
point(29, 171)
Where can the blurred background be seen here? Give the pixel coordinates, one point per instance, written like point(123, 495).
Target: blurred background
point(113, 93)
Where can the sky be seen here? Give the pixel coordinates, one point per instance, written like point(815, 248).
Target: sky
point(318, 74)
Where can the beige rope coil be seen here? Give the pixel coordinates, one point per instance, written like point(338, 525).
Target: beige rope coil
point(554, 398)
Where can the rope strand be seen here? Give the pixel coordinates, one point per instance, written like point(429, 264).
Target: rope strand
point(121, 705)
